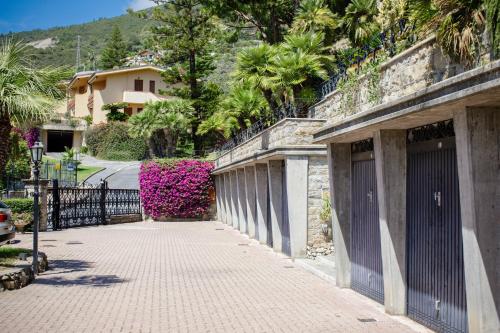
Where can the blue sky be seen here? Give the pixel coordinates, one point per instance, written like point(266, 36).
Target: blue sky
point(21, 15)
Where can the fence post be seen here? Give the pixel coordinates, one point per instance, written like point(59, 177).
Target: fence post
point(56, 205)
point(43, 204)
point(102, 202)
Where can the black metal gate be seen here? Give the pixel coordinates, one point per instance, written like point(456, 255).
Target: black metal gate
point(366, 255)
point(285, 223)
point(73, 207)
point(435, 269)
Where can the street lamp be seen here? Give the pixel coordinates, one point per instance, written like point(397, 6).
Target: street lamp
point(36, 158)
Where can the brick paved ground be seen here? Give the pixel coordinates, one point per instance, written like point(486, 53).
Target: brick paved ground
point(179, 277)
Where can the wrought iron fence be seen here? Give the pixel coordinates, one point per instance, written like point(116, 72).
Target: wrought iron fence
point(66, 172)
point(73, 207)
point(284, 111)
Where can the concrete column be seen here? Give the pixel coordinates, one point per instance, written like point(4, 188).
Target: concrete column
point(296, 185)
point(477, 133)
point(222, 198)
point(218, 192)
point(261, 188)
point(227, 198)
point(234, 199)
point(390, 165)
point(242, 201)
point(250, 196)
point(275, 175)
point(339, 168)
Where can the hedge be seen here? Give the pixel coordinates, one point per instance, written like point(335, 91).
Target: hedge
point(111, 142)
point(20, 205)
point(176, 188)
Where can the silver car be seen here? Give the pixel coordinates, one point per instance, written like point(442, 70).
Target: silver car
point(7, 229)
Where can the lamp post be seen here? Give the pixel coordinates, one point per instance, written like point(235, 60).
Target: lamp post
point(36, 158)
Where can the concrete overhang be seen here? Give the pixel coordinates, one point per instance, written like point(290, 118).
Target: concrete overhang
point(64, 127)
point(276, 153)
point(141, 97)
point(475, 88)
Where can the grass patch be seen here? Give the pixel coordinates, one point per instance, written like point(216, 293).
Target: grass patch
point(85, 171)
point(9, 254)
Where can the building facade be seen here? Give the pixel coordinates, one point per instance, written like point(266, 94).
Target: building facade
point(414, 181)
point(88, 92)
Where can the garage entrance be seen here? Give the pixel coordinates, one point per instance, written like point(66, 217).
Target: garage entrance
point(435, 268)
point(58, 140)
point(366, 255)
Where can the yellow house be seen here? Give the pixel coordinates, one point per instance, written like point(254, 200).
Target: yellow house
point(89, 91)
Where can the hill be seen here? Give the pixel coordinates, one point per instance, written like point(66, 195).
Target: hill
point(57, 46)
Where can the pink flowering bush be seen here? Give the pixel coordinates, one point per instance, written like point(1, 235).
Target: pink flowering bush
point(31, 136)
point(176, 188)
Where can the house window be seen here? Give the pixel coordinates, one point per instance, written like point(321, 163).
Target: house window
point(128, 111)
point(138, 85)
point(82, 90)
point(139, 110)
point(152, 87)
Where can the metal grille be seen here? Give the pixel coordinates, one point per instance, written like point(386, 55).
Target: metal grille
point(73, 207)
point(435, 268)
point(366, 255)
point(440, 130)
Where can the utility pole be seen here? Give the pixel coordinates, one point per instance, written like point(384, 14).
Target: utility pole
point(77, 53)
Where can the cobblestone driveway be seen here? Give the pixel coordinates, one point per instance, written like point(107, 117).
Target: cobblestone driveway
point(180, 277)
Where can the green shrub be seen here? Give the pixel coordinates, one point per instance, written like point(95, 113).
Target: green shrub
point(18, 205)
point(111, 141)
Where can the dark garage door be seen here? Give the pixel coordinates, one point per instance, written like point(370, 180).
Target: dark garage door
point(436, 289)
point(366, 256)
point(57, 140)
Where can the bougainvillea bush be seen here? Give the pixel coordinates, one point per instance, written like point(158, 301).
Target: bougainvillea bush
point(176, 188)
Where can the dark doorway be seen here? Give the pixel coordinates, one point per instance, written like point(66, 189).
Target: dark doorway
point(58, 140)
point(366, 255)
point(435, 266)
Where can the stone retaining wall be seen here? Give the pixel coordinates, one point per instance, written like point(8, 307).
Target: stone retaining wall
point(289, 131)
point(317, 187)
point(412, 70)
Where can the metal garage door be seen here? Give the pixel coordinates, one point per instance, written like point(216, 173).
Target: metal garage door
point(285, 224)
point(436, 288)
point(366, 256)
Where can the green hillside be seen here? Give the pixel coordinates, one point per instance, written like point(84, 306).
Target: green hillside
point(94, 36)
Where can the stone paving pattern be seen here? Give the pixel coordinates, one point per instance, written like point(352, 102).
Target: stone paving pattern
point(180, 277)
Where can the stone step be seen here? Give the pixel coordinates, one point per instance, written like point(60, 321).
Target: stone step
point(321, 268)
point(328, 260)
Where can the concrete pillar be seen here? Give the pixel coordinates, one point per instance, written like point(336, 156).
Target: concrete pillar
point(222, 198)
point(261, 188)
point(242, 201)
point(296, 185)
point(227, 198)
point(339, 168)
point(250, 196)
point(218, 192)
point(390, 165)
point(477, 132)
point(275, 176)
point(234, 199)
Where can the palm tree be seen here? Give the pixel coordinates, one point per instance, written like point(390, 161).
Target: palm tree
point(173, 117)
point(458, 25)
point(359, 21)
point(26, 94)
point(253, 66)
point(313, 15)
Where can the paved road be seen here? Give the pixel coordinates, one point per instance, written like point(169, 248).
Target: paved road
point(180, 277)
point(127, 177)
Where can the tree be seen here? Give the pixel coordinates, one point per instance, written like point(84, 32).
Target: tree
point(359, 21)
point(253, 66)
point(115, 51)
point(270, 18)
point(114, 114)
point(26, 94)
point(186, 32)
point(173, 117)
point(313, 15)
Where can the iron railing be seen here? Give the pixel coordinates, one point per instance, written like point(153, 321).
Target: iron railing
point(73, 207)
point(66, 172)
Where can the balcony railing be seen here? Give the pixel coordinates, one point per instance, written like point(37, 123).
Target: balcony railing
point(71, 105)
point(90, 103)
